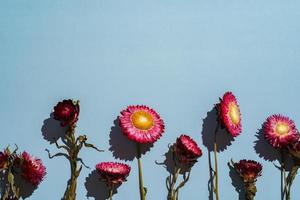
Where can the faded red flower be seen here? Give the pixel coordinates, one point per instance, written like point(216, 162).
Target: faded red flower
point(249, 170)
point(67, 112)
point(280, 131)
point(141, 124)
point(230, 115)
point(187, 150)
point(3, 159)
point(32, 169)
point(113, 173)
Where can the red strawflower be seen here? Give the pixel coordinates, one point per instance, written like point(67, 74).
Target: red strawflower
point(3, 159)
point(249, 170)
point(187, 150)
point(280, 131)
point(113, 173)
point(230, 115)
point(32, 169)
point(67, 112)
point(141, 124)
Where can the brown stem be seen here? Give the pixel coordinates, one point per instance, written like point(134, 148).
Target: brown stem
point(110, 193)
point(290, 179)
point(172, 191)
point(250, 190)
point(70, 193)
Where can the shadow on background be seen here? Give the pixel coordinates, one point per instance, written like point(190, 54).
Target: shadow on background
point(97, 188)
point(121, 147)
point(52, 130)
point(224, 140)
point(26, 189)
point(237, 183)
point(266, 151)
point(169, 163)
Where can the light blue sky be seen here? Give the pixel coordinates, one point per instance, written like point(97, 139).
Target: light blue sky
point(175, 56)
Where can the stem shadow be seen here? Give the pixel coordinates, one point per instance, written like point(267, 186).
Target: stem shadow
point(224, 140)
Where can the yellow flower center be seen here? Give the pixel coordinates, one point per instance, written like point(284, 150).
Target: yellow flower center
point(142, 120)
point(282, 128)
point(234, 113)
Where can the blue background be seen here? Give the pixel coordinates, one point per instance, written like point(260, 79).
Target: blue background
point(175, 56)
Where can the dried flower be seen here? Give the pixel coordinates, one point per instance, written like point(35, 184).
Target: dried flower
point(141, 124)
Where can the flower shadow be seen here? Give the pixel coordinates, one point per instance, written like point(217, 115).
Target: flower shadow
point(26, 189)
point(224, 140)
point(96, 188)
point(265, 150)
point(123, 148)
point(52, 130)
point(169, 163)
point(237, 183)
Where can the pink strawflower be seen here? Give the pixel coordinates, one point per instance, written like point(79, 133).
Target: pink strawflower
point(141, 124)
point(280, 131)
point(230, 114)
point(113, 173)
point(32, 168)
point(187, 149)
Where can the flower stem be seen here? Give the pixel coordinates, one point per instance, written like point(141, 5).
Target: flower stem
point(284, 183)
point(250, 190)
point(173, 193)
point(141, 180)
point(110, 193)
point(70, 193)
point(216, 186)
point(289, 181)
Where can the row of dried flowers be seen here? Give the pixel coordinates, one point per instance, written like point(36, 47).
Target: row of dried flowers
point(143, 125)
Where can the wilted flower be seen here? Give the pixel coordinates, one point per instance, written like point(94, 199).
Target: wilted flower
point(3, 159)
point(141, 124)
point(32, 169)
point(230, 115)
point(67, 112)
point(249, 170)
point(280, 131)
point(113, 173)
point(187, 150)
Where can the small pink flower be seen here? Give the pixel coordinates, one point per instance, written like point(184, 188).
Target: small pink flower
point(141, 124)
point(32, 168)
point(187, 149)
point(230, 114)
point(113, 173)
point(280, 131)
point(249, 170)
